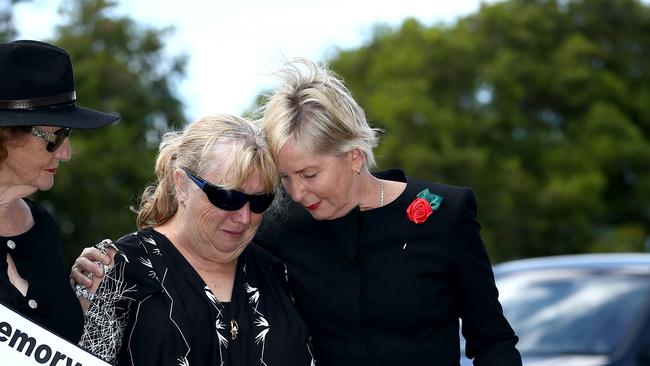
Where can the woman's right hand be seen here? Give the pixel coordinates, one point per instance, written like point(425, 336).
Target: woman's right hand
point(88, 269)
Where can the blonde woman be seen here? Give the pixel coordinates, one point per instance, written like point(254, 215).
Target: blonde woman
point(188, 288)
point(382, 264)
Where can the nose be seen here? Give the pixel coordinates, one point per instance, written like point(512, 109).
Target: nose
point(64, 152)
point(295, 189)
point(243, 215)
point(300, 191)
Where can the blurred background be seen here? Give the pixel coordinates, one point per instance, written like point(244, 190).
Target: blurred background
point(541, 106)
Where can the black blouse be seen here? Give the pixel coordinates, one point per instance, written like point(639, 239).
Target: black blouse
point(153, 308)
point(50, 300)
point(378, 289)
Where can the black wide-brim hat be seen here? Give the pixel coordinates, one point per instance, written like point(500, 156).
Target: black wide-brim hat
point(37, 88)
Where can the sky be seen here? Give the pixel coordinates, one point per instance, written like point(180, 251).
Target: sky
point(234, 46)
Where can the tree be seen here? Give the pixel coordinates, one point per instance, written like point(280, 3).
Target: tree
point(119, 66)
point(540, 105)
point(7, 27)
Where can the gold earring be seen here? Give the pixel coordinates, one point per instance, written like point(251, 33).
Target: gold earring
point(358, 171)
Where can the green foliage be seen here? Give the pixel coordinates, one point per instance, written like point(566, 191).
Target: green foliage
point(121, 67)
point(542, 106)
point(7, 27)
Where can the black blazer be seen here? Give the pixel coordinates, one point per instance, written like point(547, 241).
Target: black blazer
point(378, 289)
point(37, 254)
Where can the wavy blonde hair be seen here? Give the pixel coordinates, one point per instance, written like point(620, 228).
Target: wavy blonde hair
point(313, 106)
point(232, 142)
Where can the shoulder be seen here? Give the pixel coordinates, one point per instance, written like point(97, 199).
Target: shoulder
point(134, 251)
point(133, 265)
point(455, 199)
point(130, 244)
point(42, 217)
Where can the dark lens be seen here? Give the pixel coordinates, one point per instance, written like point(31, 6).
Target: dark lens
point(260, 202)
point(61, 134)
point(225, 199)
point(231, 200)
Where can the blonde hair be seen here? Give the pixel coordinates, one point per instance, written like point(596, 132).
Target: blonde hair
point(313, 107)
point(228, 141)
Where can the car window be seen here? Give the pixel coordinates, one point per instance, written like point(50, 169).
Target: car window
point(572, 312)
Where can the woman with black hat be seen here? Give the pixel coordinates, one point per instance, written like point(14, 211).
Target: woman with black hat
point(37, 114)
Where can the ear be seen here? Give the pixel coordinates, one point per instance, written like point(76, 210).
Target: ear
point(180, 185)
point(357, 159)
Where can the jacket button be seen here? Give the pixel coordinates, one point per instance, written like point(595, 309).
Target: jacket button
point(11, 244)
point(32, 304)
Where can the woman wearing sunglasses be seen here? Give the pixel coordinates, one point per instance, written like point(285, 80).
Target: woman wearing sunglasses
point(187, 288)
point(37, 113)
point(382, 265)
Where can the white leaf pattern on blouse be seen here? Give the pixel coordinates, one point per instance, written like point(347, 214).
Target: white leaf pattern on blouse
point(223, 341)
point(146, 262)
point(261, 322)
point(262, 338)
point(255, 296)
point(149, 240)
point(210, 295)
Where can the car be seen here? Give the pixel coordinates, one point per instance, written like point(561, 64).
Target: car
point(578, 310)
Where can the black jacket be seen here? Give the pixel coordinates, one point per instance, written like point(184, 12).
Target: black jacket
point(50, 300)
point(378, 289)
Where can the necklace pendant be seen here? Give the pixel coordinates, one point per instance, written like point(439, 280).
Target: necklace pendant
point(233, 329)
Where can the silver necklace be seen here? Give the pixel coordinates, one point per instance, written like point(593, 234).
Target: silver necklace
point(381, 193)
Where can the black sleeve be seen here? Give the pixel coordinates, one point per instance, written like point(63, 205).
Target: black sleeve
point(490, 339)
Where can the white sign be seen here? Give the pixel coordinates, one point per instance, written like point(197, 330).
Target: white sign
point(24, 343)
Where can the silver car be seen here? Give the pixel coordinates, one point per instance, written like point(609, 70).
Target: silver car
point(579, 310)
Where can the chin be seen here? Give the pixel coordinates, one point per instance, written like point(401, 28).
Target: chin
point(46, 186)
point(318, 216)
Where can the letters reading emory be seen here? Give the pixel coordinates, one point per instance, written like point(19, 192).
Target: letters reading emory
point(23, 343)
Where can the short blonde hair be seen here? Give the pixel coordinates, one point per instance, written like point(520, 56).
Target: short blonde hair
point(231, 142)
point(313, 107)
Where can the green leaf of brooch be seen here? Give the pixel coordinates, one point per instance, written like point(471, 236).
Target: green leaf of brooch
point(423, 206)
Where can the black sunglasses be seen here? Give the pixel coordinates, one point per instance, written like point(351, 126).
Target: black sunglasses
point(230, 199)
point(54, 140)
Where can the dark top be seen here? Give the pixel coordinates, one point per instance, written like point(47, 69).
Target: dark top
point(378, 289)
point(50, 300)
point(153, 308)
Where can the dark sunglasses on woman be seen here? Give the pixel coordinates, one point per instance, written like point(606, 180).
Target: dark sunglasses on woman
point(54, 139)
point(230, 199)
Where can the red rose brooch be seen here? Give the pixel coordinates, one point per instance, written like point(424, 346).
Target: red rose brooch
point(423, 206)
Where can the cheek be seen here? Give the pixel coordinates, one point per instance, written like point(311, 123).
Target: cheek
point(202, 215)
point(334, 187)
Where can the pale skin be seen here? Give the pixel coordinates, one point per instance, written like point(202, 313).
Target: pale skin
point(209, 238)
point(28, 167)
point(327, 185)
